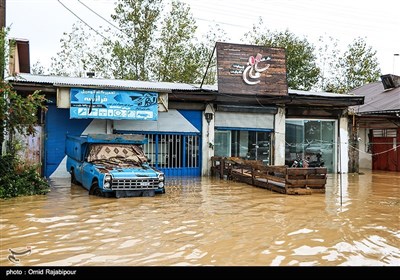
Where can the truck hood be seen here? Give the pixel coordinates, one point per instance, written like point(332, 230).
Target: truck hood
point(129, 172)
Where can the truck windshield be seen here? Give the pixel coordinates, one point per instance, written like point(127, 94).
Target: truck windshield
point(116, 154)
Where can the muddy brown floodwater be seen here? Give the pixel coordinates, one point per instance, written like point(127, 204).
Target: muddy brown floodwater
point(208, 221)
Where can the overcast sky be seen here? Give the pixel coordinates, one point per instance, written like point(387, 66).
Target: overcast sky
point(43, 22)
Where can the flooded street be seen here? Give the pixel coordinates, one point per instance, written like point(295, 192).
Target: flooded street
point(208, 221)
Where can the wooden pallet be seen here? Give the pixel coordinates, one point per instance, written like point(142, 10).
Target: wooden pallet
point(280, 179)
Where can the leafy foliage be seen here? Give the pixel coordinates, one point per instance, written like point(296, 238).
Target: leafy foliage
point(74, 57)
point(151, 42)
point(133, 49)
point(3, 43)
point(19, 179)
point(215, 34)
point(38, 68)
point(155, 41)
point(302, 70)
point(328, 55)
point(18, 114)
point(176, 60)
point(356, 67)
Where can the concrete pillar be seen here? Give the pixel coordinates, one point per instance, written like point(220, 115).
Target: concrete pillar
point(109, 126)
point(207, 146)
point(343, 143)
point(279, 139)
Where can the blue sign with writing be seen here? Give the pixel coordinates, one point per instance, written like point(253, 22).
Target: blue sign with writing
point(113, 104)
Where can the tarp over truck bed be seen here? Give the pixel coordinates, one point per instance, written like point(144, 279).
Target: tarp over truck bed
point(75, 144)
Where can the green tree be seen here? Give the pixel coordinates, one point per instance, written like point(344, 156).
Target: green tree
point(302, 69)
point(356, 67)
point(175, 58)
point(328, 55)
point(181, 57)
point(151, 42)
point(18, 115)
point(38, 68)
point(134, 45)
point(74, 59)
point(3, 52)
point(215, 34)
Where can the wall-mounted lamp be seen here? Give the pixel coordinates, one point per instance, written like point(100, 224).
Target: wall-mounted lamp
point(209, 117)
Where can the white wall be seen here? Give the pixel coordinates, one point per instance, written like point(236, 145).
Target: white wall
point(207, 147)
point(279, 141)
point(343, 165)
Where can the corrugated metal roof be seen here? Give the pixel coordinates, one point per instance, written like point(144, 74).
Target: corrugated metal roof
point(377, 99)
point(106, 83)
point(321, 93)
point(145, 85)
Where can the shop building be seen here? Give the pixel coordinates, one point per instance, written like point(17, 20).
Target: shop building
point(376, 126)
point(250, 114)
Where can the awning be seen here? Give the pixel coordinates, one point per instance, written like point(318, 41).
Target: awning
point(248, 121)
point(171, 121)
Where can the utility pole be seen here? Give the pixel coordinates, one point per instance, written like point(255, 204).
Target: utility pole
point(2, 65)
point(2, 13)
point(3, 37)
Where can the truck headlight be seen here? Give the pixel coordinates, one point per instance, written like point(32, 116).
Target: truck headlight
point(161, 177)
point(107, 178)
point(107, 181)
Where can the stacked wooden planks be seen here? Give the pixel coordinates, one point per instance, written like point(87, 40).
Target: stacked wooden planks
point(280, 179)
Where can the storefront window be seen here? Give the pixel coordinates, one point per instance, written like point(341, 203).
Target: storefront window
point(222, 143)
point(252, 145)
point(311, 140)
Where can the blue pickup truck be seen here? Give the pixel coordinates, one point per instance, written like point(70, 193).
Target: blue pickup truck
point(112, 165)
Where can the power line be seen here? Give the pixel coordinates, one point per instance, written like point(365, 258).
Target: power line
point(321, 13)
point(221, 22)
point(98, 33)
point(110, 23)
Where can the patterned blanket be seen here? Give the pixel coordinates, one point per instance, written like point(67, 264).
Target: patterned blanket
point(117, 153)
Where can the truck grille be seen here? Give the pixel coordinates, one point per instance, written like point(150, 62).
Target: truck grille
point(136, 184)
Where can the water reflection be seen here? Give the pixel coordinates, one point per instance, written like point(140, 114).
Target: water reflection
point(207, 221)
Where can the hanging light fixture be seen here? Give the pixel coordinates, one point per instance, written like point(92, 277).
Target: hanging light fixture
point(209, 117)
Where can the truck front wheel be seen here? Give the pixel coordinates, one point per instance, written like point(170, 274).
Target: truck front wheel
point(73, 178)
point(95, 190)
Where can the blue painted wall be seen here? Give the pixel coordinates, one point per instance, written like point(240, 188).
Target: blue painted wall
point(57, 125)
point(194, 117)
